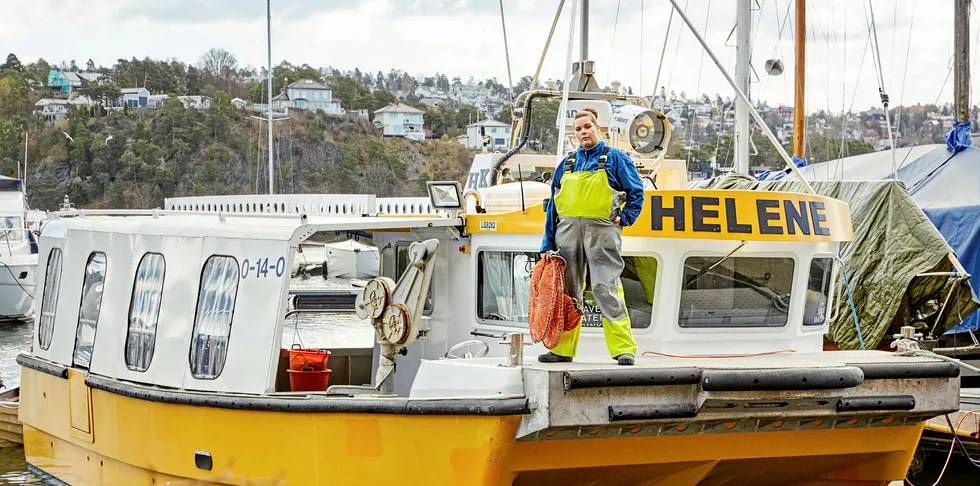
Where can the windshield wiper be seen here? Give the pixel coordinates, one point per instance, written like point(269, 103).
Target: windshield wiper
point(700, 274)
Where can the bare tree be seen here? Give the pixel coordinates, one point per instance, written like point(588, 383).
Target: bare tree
point(220, 65)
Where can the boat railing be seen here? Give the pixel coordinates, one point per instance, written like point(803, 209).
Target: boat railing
point(156, 213)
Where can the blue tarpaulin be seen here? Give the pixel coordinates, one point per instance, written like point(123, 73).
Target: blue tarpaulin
point(780, 174)
point(959, 137)
point(944, 183)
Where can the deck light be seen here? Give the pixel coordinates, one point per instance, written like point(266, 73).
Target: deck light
point(445, 195)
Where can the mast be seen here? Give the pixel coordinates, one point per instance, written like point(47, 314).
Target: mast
point(268, 23)
point(743, 58)
point(585, 32)
point(583, 70)
point(961, 62)
point(799, 110)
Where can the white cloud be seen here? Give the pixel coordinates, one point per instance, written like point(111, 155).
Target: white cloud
point(463, 37)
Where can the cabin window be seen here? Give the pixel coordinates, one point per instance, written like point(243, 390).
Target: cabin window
point(49, 301)
point(401, 264)
point(144, 311)
point(11, 228)
point(735, 292)
point(818, 291)
point(504, 292)
point(504, 285)
point(212, 321)
point(639, 279)
point(88, 310)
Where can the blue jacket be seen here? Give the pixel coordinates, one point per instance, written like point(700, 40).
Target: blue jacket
point(622, 177)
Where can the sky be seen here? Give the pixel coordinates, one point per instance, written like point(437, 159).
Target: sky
point(464, 38)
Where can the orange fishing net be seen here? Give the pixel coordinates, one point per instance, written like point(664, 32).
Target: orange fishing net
point(551, 310)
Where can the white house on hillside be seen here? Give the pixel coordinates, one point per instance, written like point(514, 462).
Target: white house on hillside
point(56, 109)
point(499, 133)
point(400, 120)
point(307, 95)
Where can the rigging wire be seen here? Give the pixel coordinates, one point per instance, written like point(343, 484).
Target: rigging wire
point(510, 80)
point(612, 45)
point(949, 73)
point(660, 65)
point(876, 50)
point(905, 74)
point(843, 106)
point(697, 90)
point(677, 47)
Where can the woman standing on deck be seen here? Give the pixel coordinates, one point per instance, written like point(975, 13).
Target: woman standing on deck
point(599, 191)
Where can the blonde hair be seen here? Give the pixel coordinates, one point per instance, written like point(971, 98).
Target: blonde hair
point(589, 112)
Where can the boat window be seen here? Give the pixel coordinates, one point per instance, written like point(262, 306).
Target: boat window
point(818, 291)
point(11, 228)
point(88, 310)
point(401, 264)
point(639, 279)
point(505, 280)
point(504, 283)
point(212, 320)
point(49, 301)
point(735, 292)
point(144, 311)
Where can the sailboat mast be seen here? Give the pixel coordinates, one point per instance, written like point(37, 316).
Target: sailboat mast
point(743, 52)
point(799, 111)
point(585, 32)
point(961, 61)
point(268, 20)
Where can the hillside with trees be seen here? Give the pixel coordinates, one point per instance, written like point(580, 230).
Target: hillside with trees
point(101, 155)
point(138, 157)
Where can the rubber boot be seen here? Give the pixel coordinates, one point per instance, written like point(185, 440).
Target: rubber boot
point(550, 357)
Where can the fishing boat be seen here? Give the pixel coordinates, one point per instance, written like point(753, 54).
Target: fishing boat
point(18, 252)
point(107, 399)
point(728, 292)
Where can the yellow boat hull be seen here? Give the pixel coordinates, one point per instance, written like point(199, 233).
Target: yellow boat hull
point(135, 441)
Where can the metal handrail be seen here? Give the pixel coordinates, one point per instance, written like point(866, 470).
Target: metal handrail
point(168, 212)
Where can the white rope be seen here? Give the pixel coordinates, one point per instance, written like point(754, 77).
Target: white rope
point(930, 354)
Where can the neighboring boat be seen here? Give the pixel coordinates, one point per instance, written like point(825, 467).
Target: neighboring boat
point(11, 430)
point(344, 259)
point(18, 252)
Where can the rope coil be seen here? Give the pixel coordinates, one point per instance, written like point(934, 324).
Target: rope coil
point(551, 311)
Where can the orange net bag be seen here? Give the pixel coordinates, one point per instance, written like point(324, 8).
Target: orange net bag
point(551, 310)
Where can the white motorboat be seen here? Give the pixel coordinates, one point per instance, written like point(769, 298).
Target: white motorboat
point(18, 252)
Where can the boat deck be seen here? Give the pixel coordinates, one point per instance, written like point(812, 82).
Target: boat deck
point(747, 392)
point(767, 361)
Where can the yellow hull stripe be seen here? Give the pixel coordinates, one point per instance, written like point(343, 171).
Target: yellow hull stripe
point(141, 442)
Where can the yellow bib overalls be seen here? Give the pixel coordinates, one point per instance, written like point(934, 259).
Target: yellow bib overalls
point(587, 236)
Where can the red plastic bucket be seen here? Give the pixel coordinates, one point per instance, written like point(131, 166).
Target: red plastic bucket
point(308, 381)
point(315, 358)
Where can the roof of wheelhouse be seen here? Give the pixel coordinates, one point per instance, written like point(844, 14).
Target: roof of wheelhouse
point(262, 227)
